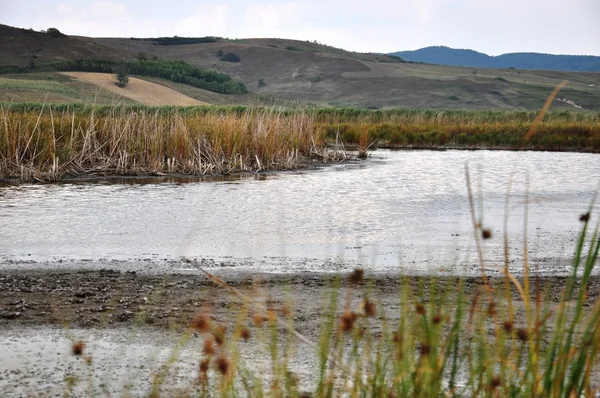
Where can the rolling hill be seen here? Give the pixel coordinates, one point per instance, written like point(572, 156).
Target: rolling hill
point(459, 57)
point(296, 72)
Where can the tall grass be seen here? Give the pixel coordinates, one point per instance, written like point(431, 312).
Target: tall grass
point(53, 141)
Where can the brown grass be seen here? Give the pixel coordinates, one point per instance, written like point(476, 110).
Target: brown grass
point(141, 91)
point(46, 145)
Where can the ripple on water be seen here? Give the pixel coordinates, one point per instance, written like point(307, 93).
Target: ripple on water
point(403, 208)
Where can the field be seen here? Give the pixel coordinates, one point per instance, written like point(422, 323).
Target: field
point(140, 91)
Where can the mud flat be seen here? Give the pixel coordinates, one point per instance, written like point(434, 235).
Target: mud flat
point(132, 321)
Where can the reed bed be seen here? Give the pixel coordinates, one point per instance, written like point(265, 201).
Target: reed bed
point(50, 142)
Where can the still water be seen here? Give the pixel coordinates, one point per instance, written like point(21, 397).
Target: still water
point(398, 210)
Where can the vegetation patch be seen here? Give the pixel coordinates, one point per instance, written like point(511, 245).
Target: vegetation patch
point(42, 86)
point(176, 71)
point(231, 57)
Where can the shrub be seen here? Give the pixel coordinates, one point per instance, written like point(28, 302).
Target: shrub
point(122, 76)
point(53, 32)
point(230, 57)
point(261, 83)
point(220, 53)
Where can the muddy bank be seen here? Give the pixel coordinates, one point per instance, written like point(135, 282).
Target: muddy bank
point(132, 323)
point(110, 298)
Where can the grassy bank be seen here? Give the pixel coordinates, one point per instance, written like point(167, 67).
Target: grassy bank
point(47, 142)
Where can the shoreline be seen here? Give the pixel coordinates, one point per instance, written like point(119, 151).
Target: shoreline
point(92, 298)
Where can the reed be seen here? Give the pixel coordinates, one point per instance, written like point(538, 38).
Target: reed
point(51, 142)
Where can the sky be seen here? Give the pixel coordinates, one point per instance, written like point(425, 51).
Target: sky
point(490, 26)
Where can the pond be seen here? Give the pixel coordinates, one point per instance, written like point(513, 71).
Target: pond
point(399, 210)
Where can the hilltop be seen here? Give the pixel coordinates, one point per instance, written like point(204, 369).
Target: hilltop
point(295, 72)
point(463, 57)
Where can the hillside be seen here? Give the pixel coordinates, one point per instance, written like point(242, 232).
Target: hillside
point(459, 57)
point(279, 71)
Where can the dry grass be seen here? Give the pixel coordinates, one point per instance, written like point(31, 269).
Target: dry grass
point(141, 91)
point(48, 144)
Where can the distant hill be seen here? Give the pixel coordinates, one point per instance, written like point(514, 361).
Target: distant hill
point(456, 57)
point(276, 71)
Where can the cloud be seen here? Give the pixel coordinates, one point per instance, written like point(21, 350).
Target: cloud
point(107, 17)
point(209, 19)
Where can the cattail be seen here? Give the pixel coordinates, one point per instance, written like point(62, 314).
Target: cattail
point(78, 348)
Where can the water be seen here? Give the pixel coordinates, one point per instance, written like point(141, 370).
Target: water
point(399, 210)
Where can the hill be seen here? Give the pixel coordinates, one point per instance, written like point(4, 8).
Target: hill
point(459, 57)
point(291, 72)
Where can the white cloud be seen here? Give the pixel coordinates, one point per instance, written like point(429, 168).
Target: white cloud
point(209, 19)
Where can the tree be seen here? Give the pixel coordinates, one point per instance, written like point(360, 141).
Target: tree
point(53, 32)
point(122, 76)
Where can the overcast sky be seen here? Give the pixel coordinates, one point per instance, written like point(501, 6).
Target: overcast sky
point(490, 26)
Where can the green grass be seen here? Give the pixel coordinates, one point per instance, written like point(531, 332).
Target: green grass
point(40, 86)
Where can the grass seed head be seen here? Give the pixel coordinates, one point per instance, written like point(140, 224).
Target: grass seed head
point(424, 349)
point(492, 309)
point(486, 233)
point(258, 319)
point(204, 366)
point(437, 319)
point(245, 334)
point(369, 308)
point(78, 348)
point(347, 320)
point(286, 312)
point(495, 382)
point(420, 308)
point(209, 346)
point(584, 217)
point(223, 365)
point(508, 326)
point(201, 323)
point(357, 276)
point(219, 334)
point(523, 334)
